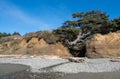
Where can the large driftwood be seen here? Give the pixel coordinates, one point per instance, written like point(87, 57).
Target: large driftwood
point(115, 60)
point(11, 56)
point(77, 59)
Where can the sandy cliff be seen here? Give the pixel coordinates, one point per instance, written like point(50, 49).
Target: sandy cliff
point(19, 45)
point(104, 46)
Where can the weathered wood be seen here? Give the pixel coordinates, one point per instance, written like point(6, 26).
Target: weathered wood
point(77, 59)
point(79, 38)
point(115, 60)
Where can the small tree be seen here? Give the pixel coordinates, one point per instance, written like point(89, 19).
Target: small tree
point(16, 33)
point(4, 34)
point(117, 23)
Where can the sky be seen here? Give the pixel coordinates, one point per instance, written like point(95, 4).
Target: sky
point(26, 16)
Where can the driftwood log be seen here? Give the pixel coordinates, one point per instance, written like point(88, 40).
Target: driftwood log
point(115, 60)
point(77, 59)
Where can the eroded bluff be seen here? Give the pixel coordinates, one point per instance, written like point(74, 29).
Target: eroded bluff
point(18, 45)
point(104, 46)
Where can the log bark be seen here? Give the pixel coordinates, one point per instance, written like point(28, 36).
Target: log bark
point(115, 60)
point(77, 59)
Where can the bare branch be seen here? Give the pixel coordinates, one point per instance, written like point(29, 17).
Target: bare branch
point(80, 38)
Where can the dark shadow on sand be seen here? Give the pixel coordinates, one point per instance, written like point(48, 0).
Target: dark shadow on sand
point(14, 71)
point(85, 75)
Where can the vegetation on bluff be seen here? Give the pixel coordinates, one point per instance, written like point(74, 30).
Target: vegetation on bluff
point(74, 33)
point(4, 34)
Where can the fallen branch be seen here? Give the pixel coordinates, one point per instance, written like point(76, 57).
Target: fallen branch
point(115, 60)
point(77, 59)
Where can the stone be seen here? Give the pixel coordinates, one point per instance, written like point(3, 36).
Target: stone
point(103, 46)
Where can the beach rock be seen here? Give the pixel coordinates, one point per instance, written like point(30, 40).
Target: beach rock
point(104, 46)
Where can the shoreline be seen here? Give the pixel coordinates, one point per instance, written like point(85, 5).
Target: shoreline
point(21, 71)
point(42, 68)
point(38, 64)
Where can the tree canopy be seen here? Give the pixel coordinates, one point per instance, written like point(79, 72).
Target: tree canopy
point(92, 21)
point(4, 34)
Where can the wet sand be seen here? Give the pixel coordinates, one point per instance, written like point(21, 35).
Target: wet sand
point(17, 71)
point(85, 75)
point(13, 71)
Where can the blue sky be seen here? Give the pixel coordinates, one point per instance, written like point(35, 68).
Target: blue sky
point(33, 15)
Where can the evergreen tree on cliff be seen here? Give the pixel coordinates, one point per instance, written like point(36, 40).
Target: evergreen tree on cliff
point(83, 27)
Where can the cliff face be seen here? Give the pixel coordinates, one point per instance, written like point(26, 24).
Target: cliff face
point(9, 44)
point(104, 46)
point(19, 45)
point(100, 46)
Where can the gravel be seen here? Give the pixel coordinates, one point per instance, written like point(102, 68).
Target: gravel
point(93, 65)
point(35, 63)
point(43, 65)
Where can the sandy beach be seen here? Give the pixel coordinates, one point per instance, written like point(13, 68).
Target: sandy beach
point(85, 75)
point(14, 71)
point(42, 68)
